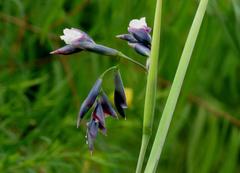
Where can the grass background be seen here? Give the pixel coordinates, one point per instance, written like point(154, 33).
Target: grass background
point(40, 95)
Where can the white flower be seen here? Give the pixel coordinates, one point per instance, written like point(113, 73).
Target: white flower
point(71, 35)
point(138, 23)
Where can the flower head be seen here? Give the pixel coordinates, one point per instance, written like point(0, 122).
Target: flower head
point(139, 36)
point(139, 24)
point(119, 95)
point(73, 35)
point(78, 40)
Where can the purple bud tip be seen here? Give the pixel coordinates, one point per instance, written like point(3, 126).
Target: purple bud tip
point(54, 52)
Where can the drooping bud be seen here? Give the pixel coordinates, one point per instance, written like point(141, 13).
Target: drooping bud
point(89, 101)
point(92, 130)
point(66, 50)
point(106, 105)
point(141, 49)
point(98, 114)
point(119, 95)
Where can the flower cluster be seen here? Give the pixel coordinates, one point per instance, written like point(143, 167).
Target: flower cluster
point(76, 41)
point(139, 36)
point(102, 108)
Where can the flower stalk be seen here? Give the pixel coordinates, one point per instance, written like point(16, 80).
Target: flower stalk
point(128, 59)
point(175, 89)
point(150, 96)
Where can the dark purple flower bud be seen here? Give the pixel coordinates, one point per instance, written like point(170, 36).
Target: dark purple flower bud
point(92, 130)
point(66, 50)
point(98, 114)
point(106, 105)
point(142, 36)
point(89, 101)
point(141, 49)
point(103, 129)
point(119, 95)
point(127, 37)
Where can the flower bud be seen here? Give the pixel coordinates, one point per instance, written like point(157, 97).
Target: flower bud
point(98, 114)
point(127, 37)
point(106, 105)
point(142, 36)
point(77, 40)
point(119, 95)
point(89, 101)
point(92, 130)
point(141, 49)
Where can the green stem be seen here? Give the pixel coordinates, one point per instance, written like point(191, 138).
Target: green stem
point(124, 57)
point(109, 69)
point(175, 90)
point(150, 96)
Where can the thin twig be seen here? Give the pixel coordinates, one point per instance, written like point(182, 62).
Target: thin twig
point(202, 103)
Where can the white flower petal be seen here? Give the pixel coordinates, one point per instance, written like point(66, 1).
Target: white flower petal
point(138, 23)
point(71, 35)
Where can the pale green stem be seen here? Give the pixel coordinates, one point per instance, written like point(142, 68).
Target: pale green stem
point(150, 96)
point(126, 58)
point(175, 90)
point(108, 70)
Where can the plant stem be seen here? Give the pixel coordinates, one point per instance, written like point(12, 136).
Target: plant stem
point(175, 90)
point(124, 57)
point(109, 69)
point(150, 97)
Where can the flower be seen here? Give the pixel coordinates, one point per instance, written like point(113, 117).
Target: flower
point(139, 36)
point(139, 24)
point(73, 36)
point(92, 130)
point(106, 105)
point(78, 40)
point(89, 101)
point(98, 114)
point(119, 95)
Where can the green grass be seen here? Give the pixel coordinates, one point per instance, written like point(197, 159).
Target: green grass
point(40, 95)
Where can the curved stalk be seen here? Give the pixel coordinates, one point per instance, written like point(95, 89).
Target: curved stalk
point(150, 97)
point(124, 57)
point(109, 69)
point(175, 89)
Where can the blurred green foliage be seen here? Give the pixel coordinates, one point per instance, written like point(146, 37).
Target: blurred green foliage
point(40, 94)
